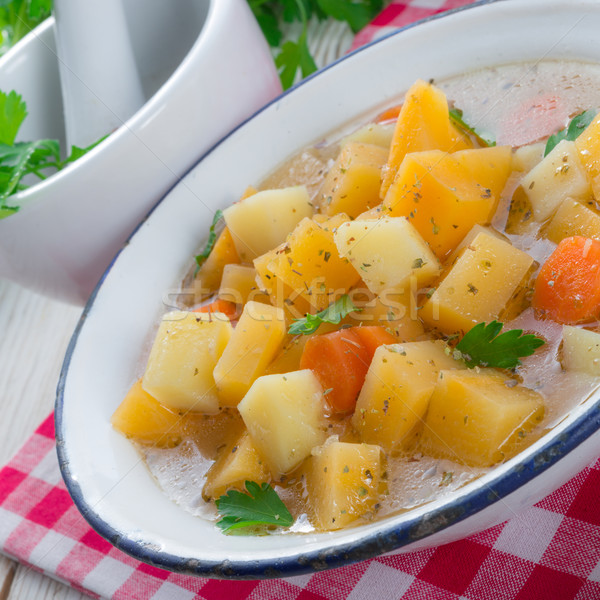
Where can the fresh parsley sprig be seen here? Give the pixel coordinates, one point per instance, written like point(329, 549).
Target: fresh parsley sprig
point(485, 346)
point(572, 131)
point(212, 238)
point(456, 116)
point(294, 55)
point(334, 313)
point(19, 17)
point(19, 159)
point(259, 507)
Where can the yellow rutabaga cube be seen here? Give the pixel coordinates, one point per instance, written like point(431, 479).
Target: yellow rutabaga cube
point(284, 415)
point(238, 462)
point(386, 253)
point(558, 176)
point(479, 418)
point(588, 146)
point(581, 350)
point(263, 220)
point(254, 343)
point(343, 481)
point(179, 373)
point(573, 218)
point(145, 419)
point(396, 311)
point(445, 195)
point(397, 389)
point(423, 124)
point(309, 265)
point(478, 286)
point(238, 285)
point(353, 183)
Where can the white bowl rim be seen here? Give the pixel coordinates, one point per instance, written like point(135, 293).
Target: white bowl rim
point(503, 481)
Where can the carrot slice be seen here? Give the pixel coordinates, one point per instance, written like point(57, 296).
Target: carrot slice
point(229, 309)
point(388, 115)
point(340, 360)
point(567, 288)
point(372, 337)
point(340, 363)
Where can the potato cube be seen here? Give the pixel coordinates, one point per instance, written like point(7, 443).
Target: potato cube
point(378, 134)
point(478, 286)
point(397, 389)
point(573, 218)
point(527, 157)
point(444, 196)
point(386, 253)
point(284, 415)
point(588, 146)
point(288, 358)
point(581, 350)
point(179, 373)
point(423, 124)
point(145, 419)
point(254, 343)
point(343, 482)
point(263, 220)
point(309, 264)
point(478, 418)
point(238, 285)
point(353, 182)
point(238, 462)
point(558, 176)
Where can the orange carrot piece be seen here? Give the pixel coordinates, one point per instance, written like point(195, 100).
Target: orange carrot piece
point(341, 359)
point(374, 336)
point(388, 115)
point(567, 288)
point(229, 309)
point(340, 362)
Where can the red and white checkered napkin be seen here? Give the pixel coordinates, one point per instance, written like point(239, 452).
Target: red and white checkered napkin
point(551, 552)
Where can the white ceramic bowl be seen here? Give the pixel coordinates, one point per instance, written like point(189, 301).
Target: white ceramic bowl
point(102, 470)
point(205, 66)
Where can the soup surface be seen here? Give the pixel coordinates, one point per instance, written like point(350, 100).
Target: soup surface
point(407, 234)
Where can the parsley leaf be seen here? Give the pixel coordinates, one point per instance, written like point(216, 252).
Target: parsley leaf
point(485, 346)
point(293, 55)
point(572, 131)
point(334, 313)
point(212, 238)
point(356, 14)
point(456, 116)
point(260, 506)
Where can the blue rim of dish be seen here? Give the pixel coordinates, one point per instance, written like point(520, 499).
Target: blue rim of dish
point(389, 539)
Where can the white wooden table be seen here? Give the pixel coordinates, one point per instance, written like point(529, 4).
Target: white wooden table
point(34, 334)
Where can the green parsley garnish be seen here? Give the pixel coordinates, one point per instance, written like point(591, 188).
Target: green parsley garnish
point(334, 313)
point(274, 15)
point(485, 346)
point(18, 159)
point(259, 507)
point(456, 116)
point(572, 131)
point(19, 17)
point(212, 238)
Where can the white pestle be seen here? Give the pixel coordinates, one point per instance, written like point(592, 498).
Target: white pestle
point(100, 82)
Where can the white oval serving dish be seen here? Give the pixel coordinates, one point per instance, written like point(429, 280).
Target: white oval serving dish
point(103, 472)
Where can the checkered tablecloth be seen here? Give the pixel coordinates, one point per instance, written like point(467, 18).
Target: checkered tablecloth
point(550, 552)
